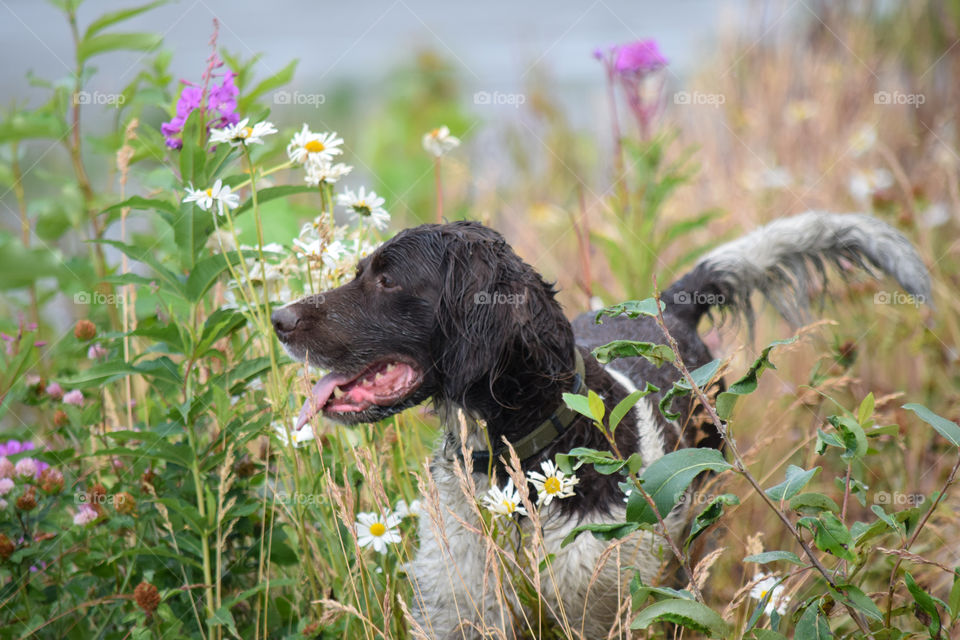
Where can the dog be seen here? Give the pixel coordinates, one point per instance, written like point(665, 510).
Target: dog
point(449, 312)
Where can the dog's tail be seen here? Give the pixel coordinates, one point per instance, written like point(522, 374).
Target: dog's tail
point(779, 260)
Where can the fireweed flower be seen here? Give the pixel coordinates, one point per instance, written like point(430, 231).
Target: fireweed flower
point(765, 583)
point(439, 141)
point(221, 105)
point(377, 530)
point(552, 483)
point(324, 171)
point(241, 134)
point(219, 193)
point(308, 147)
point(635, 67)
point(504, 502)
point(365, 206)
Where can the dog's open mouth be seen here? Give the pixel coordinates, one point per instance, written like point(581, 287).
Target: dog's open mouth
point(383, 383)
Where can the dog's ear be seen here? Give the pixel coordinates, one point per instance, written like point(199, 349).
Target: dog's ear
point(497, 318)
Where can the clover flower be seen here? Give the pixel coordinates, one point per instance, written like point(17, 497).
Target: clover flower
point(219, 193)
point(74, 397)
point(377, 530)
point(85, 515)
point(504, 502)
point(26, 468)
point(6, 486)
point(552, 483)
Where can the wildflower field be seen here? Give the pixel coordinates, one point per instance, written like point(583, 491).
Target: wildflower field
point(154, 482)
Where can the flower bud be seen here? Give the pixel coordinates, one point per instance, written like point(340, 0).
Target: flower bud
point(85, 330)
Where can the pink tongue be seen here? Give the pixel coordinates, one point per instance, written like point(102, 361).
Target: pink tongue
point(319, 395)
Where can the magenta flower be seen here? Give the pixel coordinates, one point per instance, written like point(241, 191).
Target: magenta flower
point(54, 390)
point(6, 486)
point(26, 468)
point(96, 351)
point(85, 515)
point(74, 397)
point(642, 56)
point(221, 107)
point(6, 467)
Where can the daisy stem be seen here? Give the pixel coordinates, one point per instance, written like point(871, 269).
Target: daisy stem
point(263, 174)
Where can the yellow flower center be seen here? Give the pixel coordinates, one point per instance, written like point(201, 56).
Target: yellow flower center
point(210, 193)
point(552, 485)
point(245, 132)
point(314, 146)
point(510, 506)
point(378, 529)
point(435, 133)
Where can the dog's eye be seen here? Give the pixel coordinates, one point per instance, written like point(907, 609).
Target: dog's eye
point(386, 282)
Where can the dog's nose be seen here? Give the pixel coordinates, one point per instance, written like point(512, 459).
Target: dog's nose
point(284, 321)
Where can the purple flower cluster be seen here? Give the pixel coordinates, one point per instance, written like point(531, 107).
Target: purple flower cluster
point(13, 447)
point(221, 106)
point(631, 65)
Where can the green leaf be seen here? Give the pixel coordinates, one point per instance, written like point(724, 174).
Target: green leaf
point(579, 403)
point(889, 520)
point(597, 408)
point(856, 598)
point(667, 478)
point(701, 376)
point(866, 409)
point(223, 618)
point(812, 625)
point(275, 81)
point(602, 531)
point(813, 503)
point(710, 514)
point(797, 478)
point(852, 435)
point(27, 125)
point(145, 204)
point(272, 193)
point(830, 535)
point(206, 272)
point(624, 406)
point(656, 354)
point(168, 280)
point(774, 556)
point(767, 634)
point(113, 17)
point(632, 309)
point(21, 266)
point(925, 603)
point(748, 383)
point(603, 461)
point(944, 427)
point(953, 601)
point(686, 613)
point(96, 45)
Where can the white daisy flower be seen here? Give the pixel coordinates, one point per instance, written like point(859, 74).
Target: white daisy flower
point(404, 510)
point(365, 206)
point(315, 147)
point(324, 171)
point(439, 141)
point(863, 139)
point(552, 483)
point(377, 530)
point(286, 434)
point(504, 502)
point(219, 193)
point(765, 583)
point(864, 184)
point(242, 134)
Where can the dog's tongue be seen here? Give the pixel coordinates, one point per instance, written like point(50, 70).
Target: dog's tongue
point(318, 397)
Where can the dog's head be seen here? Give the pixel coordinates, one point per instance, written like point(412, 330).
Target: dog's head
point(444, 311)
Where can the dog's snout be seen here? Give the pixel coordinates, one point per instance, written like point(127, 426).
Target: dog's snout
point(284, 320)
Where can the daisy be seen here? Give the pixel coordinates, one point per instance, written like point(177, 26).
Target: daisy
point(241, 134)
point(363, 205)
point(219, 193)
point(405, 510)
point(865, 184)
point(324, 171)
point(768, 583)
point(504, 502)
point(299, 438)
point(439, 141)
point(314, 147)
point(376, 530)
point(552, 483)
